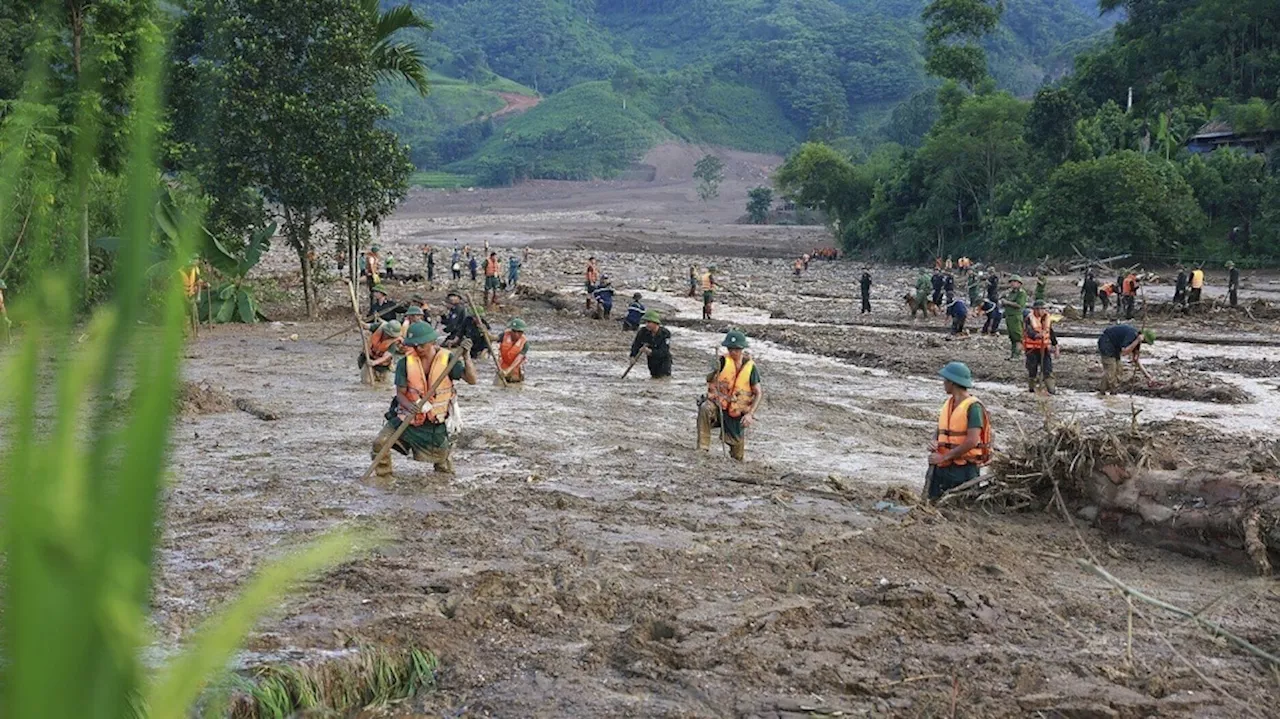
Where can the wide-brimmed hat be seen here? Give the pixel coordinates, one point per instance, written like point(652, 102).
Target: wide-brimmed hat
point(735, 340)
point(420, 333)
point(957, 373)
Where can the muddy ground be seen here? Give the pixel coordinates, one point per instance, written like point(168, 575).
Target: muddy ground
point(587, 561)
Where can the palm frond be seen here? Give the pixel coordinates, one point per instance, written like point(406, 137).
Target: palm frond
point(398, 60)
point(401, 17)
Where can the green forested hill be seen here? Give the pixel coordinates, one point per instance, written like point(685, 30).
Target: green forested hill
point(753, 74)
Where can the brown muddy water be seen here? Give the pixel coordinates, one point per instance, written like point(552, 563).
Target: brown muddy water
point(587, 561)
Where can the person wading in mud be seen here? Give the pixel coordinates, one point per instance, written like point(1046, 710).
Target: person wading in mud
point(372, 271)
point(491, 281)
point(592, 279)
point(513, 351)
point(635, 313)
point(654, 342)
point(864, 289)
point(1013, 303)
point(1040, 345)
point(1197, 285)
point(708, 291)
point(963, 444)
point(733, 394)
point(384, 348)
point(382, 307)
point(1129, 292)
point(1088, 294)
point(427, 438)
point(1116, 342)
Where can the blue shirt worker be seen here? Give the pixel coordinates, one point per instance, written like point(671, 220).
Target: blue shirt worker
point(958, 311)
point(635, 313)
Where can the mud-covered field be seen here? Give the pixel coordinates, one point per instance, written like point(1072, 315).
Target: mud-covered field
point(587, 561)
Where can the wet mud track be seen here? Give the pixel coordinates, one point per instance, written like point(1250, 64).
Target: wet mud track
point(587, 561)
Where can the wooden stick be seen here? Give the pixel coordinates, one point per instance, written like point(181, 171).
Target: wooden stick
point(366, 372)
point(342, 331)
point(404, 423)
point(488, 343)
point(1216, 629)
point(633, 364)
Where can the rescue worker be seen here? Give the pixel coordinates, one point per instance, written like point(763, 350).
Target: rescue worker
point(591, 278)
point(1114, 343)
point(973, 288)
point(191, 289)
point(708, 291)
point(654, 342)
point(993, 286)
point(964, 438)
point(453, 321)
point(513, 351)
point(922, 295)
point(1180, 287)
point(1233, 284)
point(391, 265)
point(491, 282)
point(473, 266)
point(1013, 303)
point(958, 312)
point(936, 283)
point(864, 287)
point(1088, 294)
point(455, 269)
point(431, 264)
point(798, 268)
point(733, 394)
point(603, 298)
point(382, 307)
point(1197, 285)
point(372, 271)
point(635, 313)
point(1040, 344)
point(1042, 286)
point(424, 366)
point(414, 313)
point(513, 272)
point(948, 287)
point(1104, 295)
point(384, 344)
point(693, 281)
point(990, 310)
point(470, 329)
point(1129, 291)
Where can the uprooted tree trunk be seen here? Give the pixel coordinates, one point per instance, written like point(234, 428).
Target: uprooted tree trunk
point(1121, 478)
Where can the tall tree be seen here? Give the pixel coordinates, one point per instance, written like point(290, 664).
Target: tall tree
point(295, 117)
point(709, 172)
point(953, 31)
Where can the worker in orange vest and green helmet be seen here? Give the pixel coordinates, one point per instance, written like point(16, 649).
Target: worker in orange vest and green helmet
point(964, 437)
point(733, 394)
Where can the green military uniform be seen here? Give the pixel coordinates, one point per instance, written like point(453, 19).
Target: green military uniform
point(923, 287)
point(1015, 301)
point(428, 441)
point(974, 288)
point(712, 416)
point(1042, 288)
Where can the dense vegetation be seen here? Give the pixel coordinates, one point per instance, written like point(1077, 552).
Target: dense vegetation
point(750, 74)
point(998, 176)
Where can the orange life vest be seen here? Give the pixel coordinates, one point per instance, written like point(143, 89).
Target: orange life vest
point(1039, 325)
point(1107, 290)
point(953, 427)
point(437, 408)
point(731, 389)
point(373, 265)
point(708, 284)
point(491, 267)
point(1197, 279)
point(593, 275)
point(1131, 285)
point(510, 350)
point(380, 344)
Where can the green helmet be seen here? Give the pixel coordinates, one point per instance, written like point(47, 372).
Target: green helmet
point(414, 311)
point(1231, 265)
point(391, 329)
point(374, 248)
point(652, 316)
point(1015, 278)
point(957, 373)
point(420, 333)
point(379, 288)
point(1039, 305)
point(517, 325)
point(1149, 337)
point(735, 340)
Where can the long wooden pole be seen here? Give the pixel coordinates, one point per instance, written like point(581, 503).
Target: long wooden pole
point(488, 343)
point(366, 372)
point(404, 423)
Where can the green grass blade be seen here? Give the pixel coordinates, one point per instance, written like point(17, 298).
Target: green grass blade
point(183, 680)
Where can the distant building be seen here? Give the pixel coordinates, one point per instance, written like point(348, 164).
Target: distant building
point(1218, 134)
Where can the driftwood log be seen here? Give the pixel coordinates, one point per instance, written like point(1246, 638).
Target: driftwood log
point(1134, 481)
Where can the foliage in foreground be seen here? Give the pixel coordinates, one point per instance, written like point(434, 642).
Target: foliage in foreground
point(82, 479)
